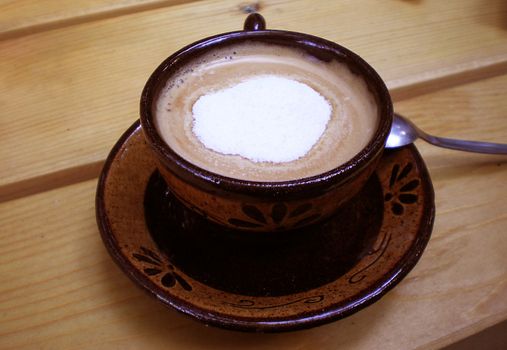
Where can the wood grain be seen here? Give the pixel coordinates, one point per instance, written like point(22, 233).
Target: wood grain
point(470, 111)
point(60, 289)
point(469, 190)
point(67, 94)
point(22, 17)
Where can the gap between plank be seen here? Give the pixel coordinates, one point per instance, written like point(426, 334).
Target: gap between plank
point(469, 73)
point(89, 17)
point(50, 181)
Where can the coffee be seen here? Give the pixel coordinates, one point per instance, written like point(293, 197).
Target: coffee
point(329, 140)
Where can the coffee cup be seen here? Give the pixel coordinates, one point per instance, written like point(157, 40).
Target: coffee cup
point(213, 114)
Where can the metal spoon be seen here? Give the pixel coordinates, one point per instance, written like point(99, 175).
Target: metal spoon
point(403, 132)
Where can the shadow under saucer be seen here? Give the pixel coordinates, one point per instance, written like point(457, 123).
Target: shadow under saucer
point(257, 264)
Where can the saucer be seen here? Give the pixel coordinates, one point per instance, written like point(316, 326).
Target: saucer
point(263, 282)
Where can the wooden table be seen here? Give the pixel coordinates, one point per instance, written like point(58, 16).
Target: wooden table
point(70, 78)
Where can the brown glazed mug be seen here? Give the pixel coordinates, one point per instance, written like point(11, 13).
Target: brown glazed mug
point(265, 206)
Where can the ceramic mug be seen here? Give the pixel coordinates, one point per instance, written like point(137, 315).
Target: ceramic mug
point(265, 206)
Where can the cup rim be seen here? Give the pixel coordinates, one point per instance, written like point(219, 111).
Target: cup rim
point(211, 181)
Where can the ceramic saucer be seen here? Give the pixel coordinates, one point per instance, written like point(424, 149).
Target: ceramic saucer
point(263, 282)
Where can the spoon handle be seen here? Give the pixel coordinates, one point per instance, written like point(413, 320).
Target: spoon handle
point(469, 146)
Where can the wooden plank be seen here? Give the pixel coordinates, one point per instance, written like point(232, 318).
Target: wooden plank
point(68, 94)
point(59, 288)
point(21, 17)
point(468, 191)
point(471, 111)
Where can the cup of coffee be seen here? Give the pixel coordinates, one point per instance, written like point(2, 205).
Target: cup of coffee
point(265, 130)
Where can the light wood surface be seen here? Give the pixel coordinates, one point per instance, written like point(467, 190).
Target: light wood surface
point(22, 17)
point(73, 91)
point(67, 93)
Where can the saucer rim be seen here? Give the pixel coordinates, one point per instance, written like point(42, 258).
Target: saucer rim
point(306, 320)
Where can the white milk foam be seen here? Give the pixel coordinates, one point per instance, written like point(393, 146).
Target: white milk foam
point(264, 118)
point(195, 113)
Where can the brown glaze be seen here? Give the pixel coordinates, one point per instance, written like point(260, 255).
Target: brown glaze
point(261, 206)
point(254, 21)
point(246, 213)
point(295, 279)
